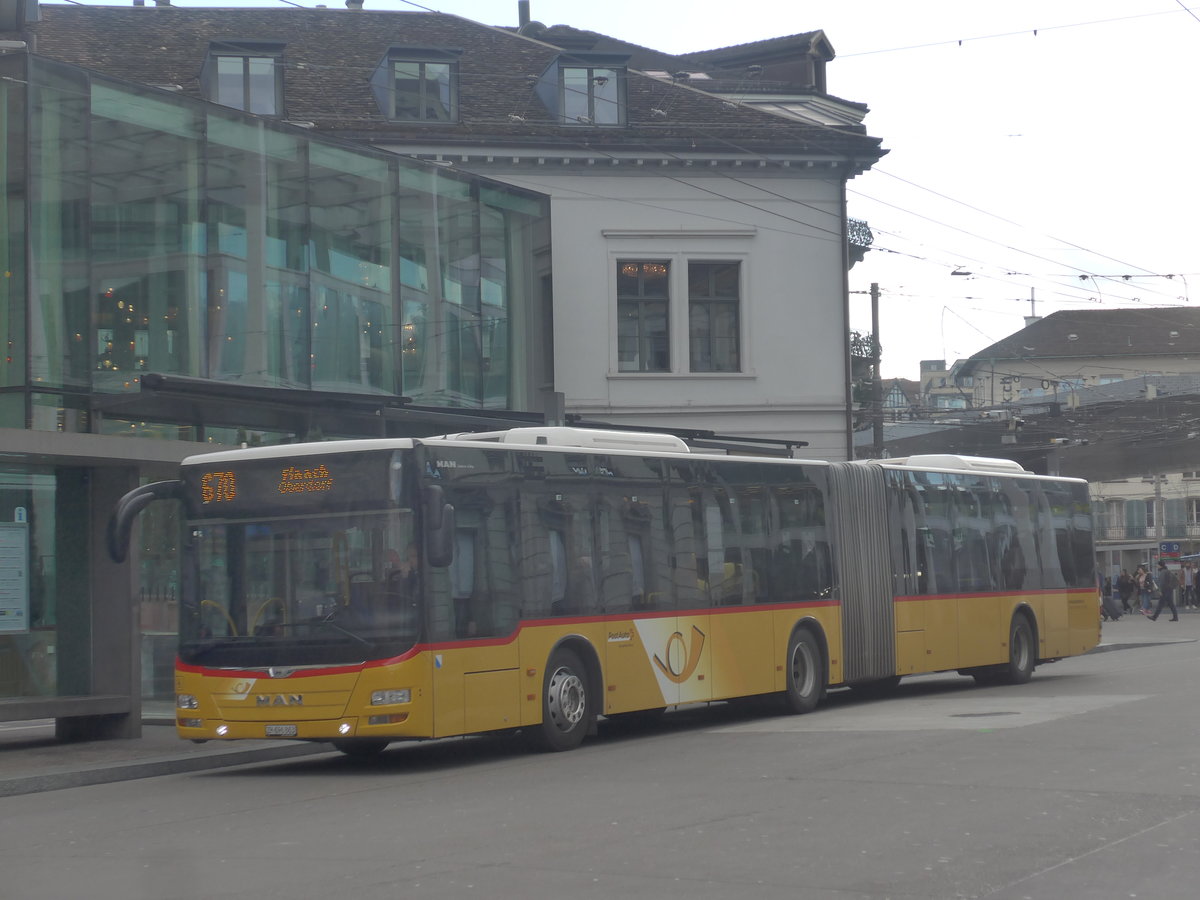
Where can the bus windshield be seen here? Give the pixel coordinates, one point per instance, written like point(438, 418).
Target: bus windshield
point(302, 590)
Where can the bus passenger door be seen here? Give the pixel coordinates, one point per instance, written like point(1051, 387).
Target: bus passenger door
point(635, 583)
point(907, 591)
point(679, 646)
point(473, 602)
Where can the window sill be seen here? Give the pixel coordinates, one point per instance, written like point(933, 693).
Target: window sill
point(681, 376)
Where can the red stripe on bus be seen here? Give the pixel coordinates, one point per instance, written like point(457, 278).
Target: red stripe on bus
point(505, 639)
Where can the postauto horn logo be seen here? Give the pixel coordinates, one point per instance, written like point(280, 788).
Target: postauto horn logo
point(682, 658)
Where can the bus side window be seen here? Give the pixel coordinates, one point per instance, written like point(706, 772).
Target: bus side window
point(558, 571)
point(615, 562)
point(462, 584)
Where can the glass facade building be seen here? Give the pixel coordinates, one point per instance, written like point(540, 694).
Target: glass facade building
point(185, 272)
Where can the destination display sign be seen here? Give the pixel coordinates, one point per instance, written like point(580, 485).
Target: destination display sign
point(295, 484)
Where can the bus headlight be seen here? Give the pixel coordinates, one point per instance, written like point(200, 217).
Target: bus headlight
point(387, 698)
point(186, 701)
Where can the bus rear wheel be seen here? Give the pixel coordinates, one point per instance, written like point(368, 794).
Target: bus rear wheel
point(566, 707)
point(805, 672)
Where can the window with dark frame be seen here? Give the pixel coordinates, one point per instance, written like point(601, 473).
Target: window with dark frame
point(714, 339)
point(423, 90)
point(249, 77)
point(591, 95)
point(643, 300)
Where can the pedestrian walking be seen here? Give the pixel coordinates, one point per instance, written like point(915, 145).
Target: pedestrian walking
point(1125, 588)
point(1188, 576)
point(1166, 581)
point(1145, 588)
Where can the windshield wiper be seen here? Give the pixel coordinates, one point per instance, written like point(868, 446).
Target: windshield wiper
point(326, 623)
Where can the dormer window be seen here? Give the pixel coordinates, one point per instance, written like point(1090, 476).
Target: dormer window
point(591, 95)
point(246, 75)
point(418, 85)
point(585, 89)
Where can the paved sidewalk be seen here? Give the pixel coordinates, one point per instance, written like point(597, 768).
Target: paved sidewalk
point(31, 760)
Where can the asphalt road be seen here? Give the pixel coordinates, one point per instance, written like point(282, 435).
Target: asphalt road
point(1084, 783)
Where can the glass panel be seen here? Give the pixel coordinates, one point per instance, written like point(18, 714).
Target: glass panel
point(606, 107)
point(139, 428)
point(576, 95)
point(258, 305)
point(231, 88)
point(12, 227)
point(147, 236)
point(30, 643)
point(59, 230)
point(261, 86)
point(494, 306)
point(354, 334)
point(159, 579)
point(436, 92)
point(406, 78)
point(236, 437)
point(460, 324)
point(60, 412)
point(12, 410)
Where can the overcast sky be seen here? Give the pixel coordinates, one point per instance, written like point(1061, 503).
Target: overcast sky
point(1047, 147)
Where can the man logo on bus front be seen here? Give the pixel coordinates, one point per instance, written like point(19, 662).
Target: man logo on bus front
point(677, 651)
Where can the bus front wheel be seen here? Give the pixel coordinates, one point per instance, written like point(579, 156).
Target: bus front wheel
point(805, 672)
point(1022, 657)
point(1022, 652)
point(566, 708)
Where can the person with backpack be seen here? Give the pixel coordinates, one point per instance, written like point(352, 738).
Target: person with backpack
point(1166, 582)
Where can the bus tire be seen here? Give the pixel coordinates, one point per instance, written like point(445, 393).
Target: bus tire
point(361, 748)
point(1022, 657)
point(566, 707)
point(805, 665)
point(1022, 652)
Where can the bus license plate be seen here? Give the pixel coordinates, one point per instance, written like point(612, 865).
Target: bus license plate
point(281, 731)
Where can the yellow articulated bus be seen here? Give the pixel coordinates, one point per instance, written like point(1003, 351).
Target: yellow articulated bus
point(363, 592)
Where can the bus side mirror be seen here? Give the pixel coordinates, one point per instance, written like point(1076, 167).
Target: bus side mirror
point(439, 548)
point(120, 524)
point(435, 501)
point(439, 527)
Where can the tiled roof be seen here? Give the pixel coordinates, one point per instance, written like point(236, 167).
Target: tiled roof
point(1151, 331)
point(331, 54)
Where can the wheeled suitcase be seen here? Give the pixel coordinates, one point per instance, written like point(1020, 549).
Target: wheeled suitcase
point(1110, 607)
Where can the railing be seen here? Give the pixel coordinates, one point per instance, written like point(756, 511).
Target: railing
point(1171, 532)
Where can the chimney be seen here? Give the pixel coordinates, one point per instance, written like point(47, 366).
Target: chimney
point(522, 13)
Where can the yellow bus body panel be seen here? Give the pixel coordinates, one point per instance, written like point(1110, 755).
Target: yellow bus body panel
point(644, 662)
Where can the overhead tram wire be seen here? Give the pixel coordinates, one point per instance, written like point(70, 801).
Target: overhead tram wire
point(1072, 292)
point(1022, 33)
point(1003, 219)
point(967, 233)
